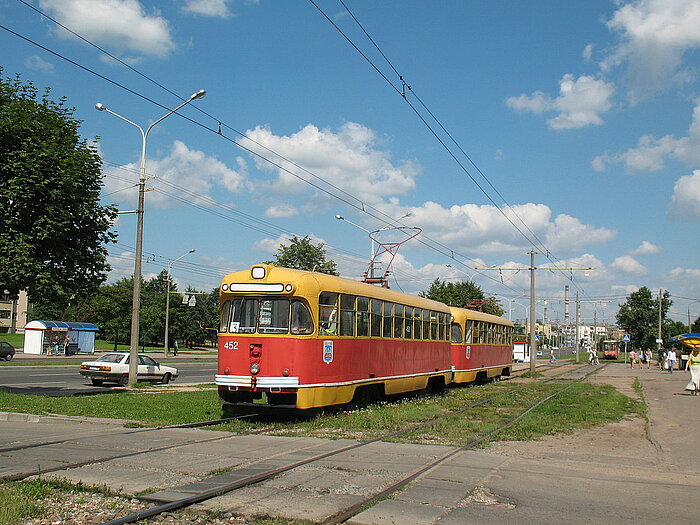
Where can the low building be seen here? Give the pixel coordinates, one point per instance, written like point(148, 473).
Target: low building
point(59, 337)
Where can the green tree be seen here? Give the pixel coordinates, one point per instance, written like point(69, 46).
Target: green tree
point(695, 326)
point(464, 294)
point(302, 254)
point(672, 328)
point(639, 316)
point(52, 227)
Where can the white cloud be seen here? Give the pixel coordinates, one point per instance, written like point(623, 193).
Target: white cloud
point(651, 153)
point(214, 8)
point(686, 197)
point(628, 264)
point(686, 279)
point(587, 53)
point(580, 103)
point(281, 211)
point(486, 229)
point(37, 63)
point(183, 167)
point(348, 159)
point(655, 34)
point(646, 248)
point(121, 24)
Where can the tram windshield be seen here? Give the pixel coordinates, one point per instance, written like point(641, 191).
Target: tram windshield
point(266, 316)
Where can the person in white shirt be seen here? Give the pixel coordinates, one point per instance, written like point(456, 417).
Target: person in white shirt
point(671, 358)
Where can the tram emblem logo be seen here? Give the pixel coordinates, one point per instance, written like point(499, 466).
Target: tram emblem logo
point(328, 352)
point(469, 352)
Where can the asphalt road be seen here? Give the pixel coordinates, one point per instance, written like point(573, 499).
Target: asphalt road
point(39, 378)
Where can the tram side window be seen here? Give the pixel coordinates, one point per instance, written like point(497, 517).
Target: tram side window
point(398, 320)
point(417, 323)
point(347, 315)
point(476, 333)
point(274, 316)
point(225, 316)
point(376, 319)
point(408, 333)
point(302, 323)
point(426, 325)
point(443, 327)
point(362, 316)
point(328, 313)
point(468, 332)
point(456, 336)
point(433, 325)
point(388, 327)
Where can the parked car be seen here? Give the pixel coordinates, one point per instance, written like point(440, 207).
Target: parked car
point(114, 368)
point(7, 351)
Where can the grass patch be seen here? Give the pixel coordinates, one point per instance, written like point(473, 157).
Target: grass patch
point(155, 408)
point(18, 500)
point(580, 406)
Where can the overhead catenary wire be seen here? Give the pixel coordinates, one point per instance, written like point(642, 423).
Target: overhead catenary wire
point(539, 244)
point(355, 203)
point(362, 207)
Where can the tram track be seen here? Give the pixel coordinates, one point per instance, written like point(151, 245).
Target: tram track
point(345, 514)
point(92, 461)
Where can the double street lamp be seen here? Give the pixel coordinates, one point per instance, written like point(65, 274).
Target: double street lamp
point(166, 337)
point(136, 299)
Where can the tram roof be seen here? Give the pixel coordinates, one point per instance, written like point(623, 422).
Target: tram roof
point(314, 282)
point(461, 314)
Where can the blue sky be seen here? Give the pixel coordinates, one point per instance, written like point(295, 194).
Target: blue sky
point(580, 122)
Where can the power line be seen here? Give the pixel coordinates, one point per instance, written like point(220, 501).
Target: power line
point(358, 204)
point(432, 115)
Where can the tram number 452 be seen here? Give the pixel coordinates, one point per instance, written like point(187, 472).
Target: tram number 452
point(231, 345)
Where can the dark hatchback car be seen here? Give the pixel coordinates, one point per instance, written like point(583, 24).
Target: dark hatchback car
point(7, 351)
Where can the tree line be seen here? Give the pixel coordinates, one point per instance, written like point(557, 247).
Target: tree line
point(110, 309)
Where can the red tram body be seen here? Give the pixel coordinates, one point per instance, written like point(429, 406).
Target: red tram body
point(297, 340)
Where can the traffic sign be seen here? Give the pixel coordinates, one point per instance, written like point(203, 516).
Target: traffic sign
point(626, 338)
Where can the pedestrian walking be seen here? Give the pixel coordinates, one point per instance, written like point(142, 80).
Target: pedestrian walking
point(633, 358)
point(692, 365)
point(661, 358)
point(649, 356)
point(640, 358)
point(175, 347)
point(671, 358)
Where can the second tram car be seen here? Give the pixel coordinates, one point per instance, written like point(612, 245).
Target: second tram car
point(292, 339)
point(482, 345)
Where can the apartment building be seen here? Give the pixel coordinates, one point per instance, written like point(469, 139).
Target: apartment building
point(13, 314)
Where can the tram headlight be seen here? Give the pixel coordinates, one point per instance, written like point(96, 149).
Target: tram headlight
point(254, 368)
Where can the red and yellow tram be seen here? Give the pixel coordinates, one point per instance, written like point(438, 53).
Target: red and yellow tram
point(482, 346)
point(292, 339)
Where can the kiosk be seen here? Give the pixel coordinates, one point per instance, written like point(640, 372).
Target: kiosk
point(59, 337)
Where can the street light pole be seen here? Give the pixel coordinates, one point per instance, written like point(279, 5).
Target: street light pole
point(166, 337)
point(136, 299)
